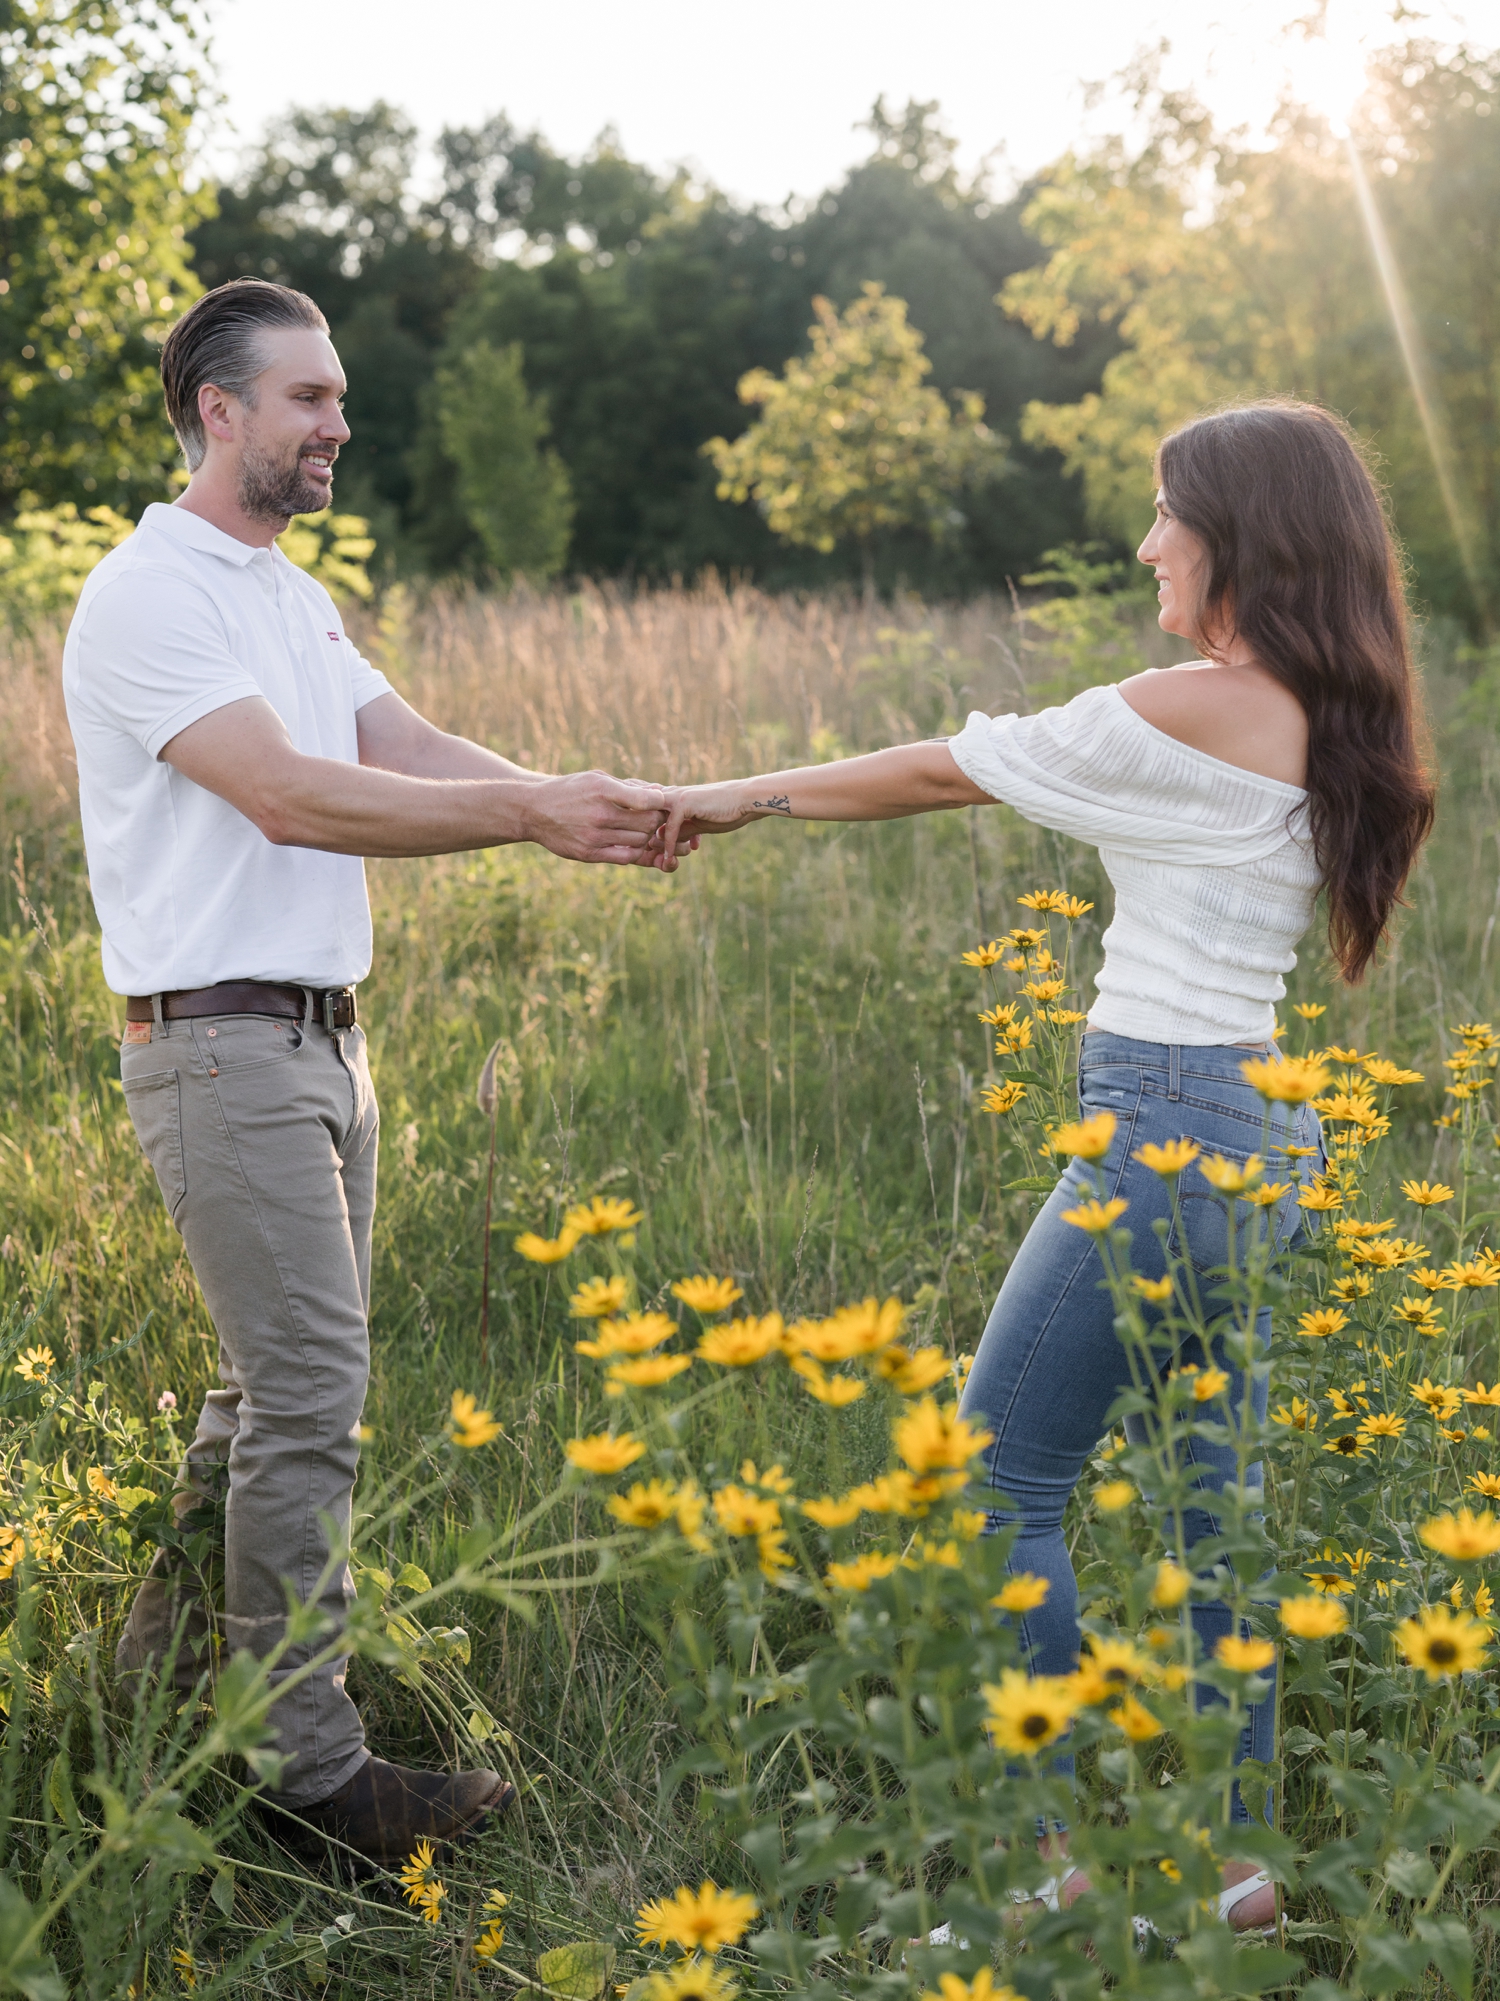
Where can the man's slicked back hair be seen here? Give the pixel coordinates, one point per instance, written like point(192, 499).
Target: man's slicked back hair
point(219, 340)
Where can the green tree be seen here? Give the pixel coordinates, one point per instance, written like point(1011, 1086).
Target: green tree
point(97, 104)
point(514, 489)
point(852, 440)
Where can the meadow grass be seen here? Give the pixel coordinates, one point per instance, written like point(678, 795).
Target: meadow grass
point(774, 1054)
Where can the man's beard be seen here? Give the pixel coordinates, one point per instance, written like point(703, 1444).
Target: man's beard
point(274, 491)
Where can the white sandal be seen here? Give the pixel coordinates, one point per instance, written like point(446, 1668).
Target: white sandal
point(1227, 1900)
point(1048, 1894)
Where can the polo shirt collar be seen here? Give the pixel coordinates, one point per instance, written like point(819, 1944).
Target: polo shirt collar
point(193, 532)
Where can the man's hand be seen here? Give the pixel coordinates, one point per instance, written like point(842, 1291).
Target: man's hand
point(592, 817)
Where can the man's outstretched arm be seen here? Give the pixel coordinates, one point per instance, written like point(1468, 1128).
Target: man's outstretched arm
point(242, 752)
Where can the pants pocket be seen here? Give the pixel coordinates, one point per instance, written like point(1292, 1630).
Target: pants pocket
point(155, 1109)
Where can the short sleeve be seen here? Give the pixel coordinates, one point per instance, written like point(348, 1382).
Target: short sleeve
point(1098, 771)
point(366, 683)
point(151, 674)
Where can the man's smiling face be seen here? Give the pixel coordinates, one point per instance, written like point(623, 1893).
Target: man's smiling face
point(290, 436)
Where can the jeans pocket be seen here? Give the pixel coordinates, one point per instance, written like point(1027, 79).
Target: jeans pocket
point(155, 1106)
point(237, 1042)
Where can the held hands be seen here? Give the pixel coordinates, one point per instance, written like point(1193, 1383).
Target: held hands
point(695, 810)
point(590, 816)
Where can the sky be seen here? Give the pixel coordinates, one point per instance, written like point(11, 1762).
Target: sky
point(764, 99)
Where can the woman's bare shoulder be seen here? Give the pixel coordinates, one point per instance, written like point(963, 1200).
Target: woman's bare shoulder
point(1240, 715)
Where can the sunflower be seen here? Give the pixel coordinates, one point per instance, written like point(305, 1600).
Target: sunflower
point(1464, 1537)
point(1442, 1643)
point(1022, 1593)
point(694, 1980)
point(602, 1453)
point(862, 1572)
point(706, 1294)
point(704, 1920)
point(1244, 1656)
point(1313, 1618)
point(1029, 1712)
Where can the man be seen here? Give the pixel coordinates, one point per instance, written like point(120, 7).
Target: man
point(237, 758)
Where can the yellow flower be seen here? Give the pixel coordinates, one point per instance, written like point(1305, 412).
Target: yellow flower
point(1066, 1017)
point(772, 1554)
point(1096, 1217)
point(35, 1364)
point(987, 955)
point(1309, 1010)
point(421, 1883)
point(944, 1554)
point(1014, 1037)
point(852, 1331)
point(100, 1485)
point(602, 1453)
point(1356, 1286)
point(1421, 1313)
point(1172, 1585)
point(690, 1508)
point(547, 1250)
point(1028, 1712)
point(1044, 990)
point(187, 1966)
point(1157, 1290)
point(1292, 1081)
point(1480, 1395)
point(603, 1214)
point(1313, 1618)
point(691, 1980)
point(1114, 1495)
point(1228, 1176)
point(968, 1523)
point(489, 1942)
point(1348, 1445)
point(1070, 907)
point(1001, 1098)
point(596, 1297)
point(1487, 1484)
point(862, 1572)
point(1269, 1193)
point(1440, 1398)
point(1426, 1193)
point(705, 1920)
point(982, 1987)
point(933, 1437)
point(1472, 1275)
point(1319, 1198)
point(1244, 1656)
point(1301, 1416)
point(1090, 1139)
point(1442, 1644)
point(1465, 1537)
point(1169, 1159)
point(742, 1513)
point(912, 1374)
point(1382, 1071)
point(1209, 1383)
point(1429, 1280)
point(468, 1425)
point(1381, 1425)
point(775, 1479)
point(1321, 1321)
point(831, 1513)
point(647, 1372)
point(648, 1504)
point(1022, 1593)
point(637, 1334)
point(1136, 1720)
point(735, 1344)
point(707, 1294)
point(834, 1390)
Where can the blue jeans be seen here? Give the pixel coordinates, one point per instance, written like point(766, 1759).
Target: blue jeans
point(1050, 1364)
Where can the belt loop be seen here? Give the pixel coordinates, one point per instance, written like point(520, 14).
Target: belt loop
point(159, 1020)
point(1174, 1071)
point(312, 1002)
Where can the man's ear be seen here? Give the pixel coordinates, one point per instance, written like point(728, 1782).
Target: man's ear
point(213, 408)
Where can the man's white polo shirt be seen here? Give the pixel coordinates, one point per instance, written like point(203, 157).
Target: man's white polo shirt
point(178, 621)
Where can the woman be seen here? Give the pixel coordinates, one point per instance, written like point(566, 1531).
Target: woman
point(1223, 796)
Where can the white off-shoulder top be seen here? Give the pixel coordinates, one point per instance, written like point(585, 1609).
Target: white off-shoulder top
point(1213, 867)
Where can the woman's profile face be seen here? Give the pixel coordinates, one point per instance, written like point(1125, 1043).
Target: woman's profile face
point(1177, 556)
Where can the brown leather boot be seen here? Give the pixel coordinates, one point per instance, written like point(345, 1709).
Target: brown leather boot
point(385, 1810)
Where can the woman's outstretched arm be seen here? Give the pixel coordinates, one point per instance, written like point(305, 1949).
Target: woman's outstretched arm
point(882, 785)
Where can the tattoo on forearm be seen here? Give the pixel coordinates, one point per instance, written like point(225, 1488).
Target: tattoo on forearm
point(779, 802)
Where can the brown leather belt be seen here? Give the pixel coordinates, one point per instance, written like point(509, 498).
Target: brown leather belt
point(334, 1007)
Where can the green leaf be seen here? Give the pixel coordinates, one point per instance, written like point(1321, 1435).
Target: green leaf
point(222, 1888)
point(23, 1965)
point(411, 1577)
point(581, 1970)
point(1447, 1939)
point(1031, 1184)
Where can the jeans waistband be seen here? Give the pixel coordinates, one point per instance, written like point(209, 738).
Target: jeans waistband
point(1173, 1059)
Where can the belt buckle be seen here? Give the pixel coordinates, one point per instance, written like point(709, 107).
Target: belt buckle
point(339, 1009)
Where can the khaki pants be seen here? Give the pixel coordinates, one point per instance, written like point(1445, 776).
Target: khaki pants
point(263, 1135)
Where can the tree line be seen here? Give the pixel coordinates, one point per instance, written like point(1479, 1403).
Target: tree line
point(546, 354)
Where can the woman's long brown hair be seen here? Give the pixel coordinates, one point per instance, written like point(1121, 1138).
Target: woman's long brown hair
point(1302, 569)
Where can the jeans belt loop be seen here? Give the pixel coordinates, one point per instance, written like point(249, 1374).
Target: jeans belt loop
point(159, 1020)
point(1174, 1071)
point(311, 1010)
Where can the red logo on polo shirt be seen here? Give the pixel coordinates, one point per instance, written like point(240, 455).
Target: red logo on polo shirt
point(334, 637)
